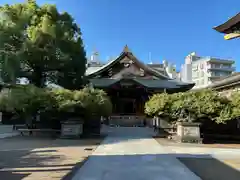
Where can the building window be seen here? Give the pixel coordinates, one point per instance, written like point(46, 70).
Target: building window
point(194, 67)
point(195, 74)
point(216, 65)
point(197, 82)
point(226, 66)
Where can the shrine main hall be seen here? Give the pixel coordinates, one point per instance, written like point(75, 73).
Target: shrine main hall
point(129, 83)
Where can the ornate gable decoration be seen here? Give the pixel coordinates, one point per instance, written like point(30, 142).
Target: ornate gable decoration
point(126, 49)
point(128, 60)
point(130, 71)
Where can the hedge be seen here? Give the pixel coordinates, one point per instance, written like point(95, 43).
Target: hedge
point(194, 106)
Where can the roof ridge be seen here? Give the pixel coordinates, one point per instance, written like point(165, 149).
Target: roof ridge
point(126, 48)
point(129, 54)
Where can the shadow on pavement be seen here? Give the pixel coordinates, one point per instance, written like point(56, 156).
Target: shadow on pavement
point(16, 165)
point(28, 142)
point(156, 166)
point(119, 133)
point(35, 158)
point(204, 166)
point(13, 176)
point(209, 168)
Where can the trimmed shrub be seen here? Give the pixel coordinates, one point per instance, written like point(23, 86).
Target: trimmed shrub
point(26, 101)
point(193, 106)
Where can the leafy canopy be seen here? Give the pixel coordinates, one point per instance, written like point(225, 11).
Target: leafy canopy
point(193, 106)
point(28, 100)
point(87, 101)
point(41, 44)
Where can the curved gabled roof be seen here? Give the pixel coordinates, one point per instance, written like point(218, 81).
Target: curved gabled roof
point(93, 71)
point(149, 83)
point(225, 27)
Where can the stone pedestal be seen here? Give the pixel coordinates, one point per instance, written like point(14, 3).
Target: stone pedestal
point(188, 132)
point(92, 126)
point(71, 129)
point(1, 115)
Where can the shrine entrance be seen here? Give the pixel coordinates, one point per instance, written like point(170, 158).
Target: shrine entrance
point(129, 83)
point(128, 103)
point(128, 100)
point(126, 106)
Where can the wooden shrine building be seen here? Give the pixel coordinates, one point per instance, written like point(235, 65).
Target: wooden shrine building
point(129, 83)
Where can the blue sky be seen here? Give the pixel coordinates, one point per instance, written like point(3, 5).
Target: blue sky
point(168, 29)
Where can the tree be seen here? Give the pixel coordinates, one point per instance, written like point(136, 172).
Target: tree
point(235, 102)
point(158, 105)
point(85, 102)
point(192, 106)
point(26, 101)
point(49, 45)
point(10, 43)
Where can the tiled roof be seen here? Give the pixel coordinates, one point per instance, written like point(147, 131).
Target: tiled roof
point(227, 80)
point(149, 83)
point(226, 26)
point(103, 82)
point(91, 71)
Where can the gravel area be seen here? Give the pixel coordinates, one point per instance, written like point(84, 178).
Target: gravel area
point(28, 158)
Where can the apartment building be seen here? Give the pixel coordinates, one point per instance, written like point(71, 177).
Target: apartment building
point(203, 71)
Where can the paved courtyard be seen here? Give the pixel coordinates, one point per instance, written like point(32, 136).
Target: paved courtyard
point(27, 158)
point(127, 153)
point(7, 131)
point(132, 154)
point(208, 161)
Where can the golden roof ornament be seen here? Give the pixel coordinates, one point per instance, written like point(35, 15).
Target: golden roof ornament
point(235, 34)
point(126, 49)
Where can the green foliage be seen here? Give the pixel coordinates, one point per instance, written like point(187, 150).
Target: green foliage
point(26, 100)
point(235, 102)
point(191, 106)
point(87, 101)
point(96, 100)
point(159, 104)
point(41, 44)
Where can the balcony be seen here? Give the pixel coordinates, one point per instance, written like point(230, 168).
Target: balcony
point(218, 60)
point(214, 78)
point(222, 68)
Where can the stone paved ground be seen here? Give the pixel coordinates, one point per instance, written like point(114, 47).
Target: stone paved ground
point(132, 154)
point(5, 128)
point(167, 142)
point(210, 162)
point(128, 152)
point(7, 131)
point(27, 158)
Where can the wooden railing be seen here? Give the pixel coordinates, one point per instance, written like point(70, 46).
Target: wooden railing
point(126, 120)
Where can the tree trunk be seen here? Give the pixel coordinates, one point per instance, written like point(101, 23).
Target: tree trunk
point(38, 78)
